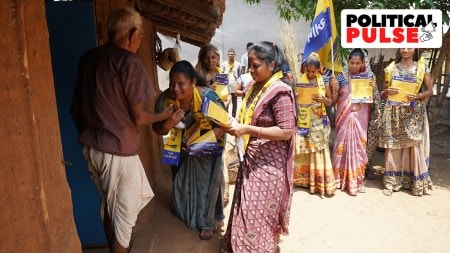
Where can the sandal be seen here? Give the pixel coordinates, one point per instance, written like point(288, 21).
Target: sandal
point(206, 234)
point(387, 192)
point(362, 189)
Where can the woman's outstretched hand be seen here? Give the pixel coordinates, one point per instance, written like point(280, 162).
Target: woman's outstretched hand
point(237, 130)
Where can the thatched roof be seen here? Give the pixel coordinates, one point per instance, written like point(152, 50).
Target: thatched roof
point(195, 20)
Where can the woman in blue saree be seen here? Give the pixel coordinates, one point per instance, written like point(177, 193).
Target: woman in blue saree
point(198, 179)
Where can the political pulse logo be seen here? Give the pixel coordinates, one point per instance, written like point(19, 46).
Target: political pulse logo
point(391, 28)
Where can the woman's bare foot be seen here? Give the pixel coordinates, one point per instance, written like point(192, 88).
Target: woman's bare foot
point(226, 199)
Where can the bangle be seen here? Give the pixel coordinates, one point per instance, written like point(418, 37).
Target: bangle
point(259, 132)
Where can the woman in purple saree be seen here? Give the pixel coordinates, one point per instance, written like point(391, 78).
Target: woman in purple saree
point(262, 197)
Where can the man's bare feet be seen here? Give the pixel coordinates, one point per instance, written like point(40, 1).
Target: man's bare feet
point(206, 234)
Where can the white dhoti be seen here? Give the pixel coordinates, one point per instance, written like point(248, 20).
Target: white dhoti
point(123, 185)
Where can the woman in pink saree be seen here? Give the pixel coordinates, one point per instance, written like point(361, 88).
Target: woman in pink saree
point(267, 123)
point(349, 156)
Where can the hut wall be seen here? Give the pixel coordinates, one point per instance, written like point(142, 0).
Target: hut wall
point(35, 200)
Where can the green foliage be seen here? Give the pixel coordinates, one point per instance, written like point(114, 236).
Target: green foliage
point(295, 9)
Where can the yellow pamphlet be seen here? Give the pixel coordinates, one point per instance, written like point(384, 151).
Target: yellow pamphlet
point(404, 86)
point(306, 92)
point(361, 90)
point(208, 137)
point(192, 133)
point(222, 91)
point(215, 113)
point(220, 86)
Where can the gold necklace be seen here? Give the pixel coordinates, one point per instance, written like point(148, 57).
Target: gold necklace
point(209, 75)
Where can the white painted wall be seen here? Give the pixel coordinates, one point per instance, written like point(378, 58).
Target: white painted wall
point(244, 23)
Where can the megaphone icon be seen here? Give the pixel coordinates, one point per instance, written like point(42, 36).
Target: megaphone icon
point(429, 28)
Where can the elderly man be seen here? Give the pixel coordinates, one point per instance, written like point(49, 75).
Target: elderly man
point(108, 107)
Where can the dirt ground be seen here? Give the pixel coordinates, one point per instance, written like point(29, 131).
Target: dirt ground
point(369, 222)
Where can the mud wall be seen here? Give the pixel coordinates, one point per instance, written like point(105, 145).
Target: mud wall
point(35, 202)
point(151, 147)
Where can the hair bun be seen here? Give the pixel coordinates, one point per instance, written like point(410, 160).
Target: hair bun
point(314, 56)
